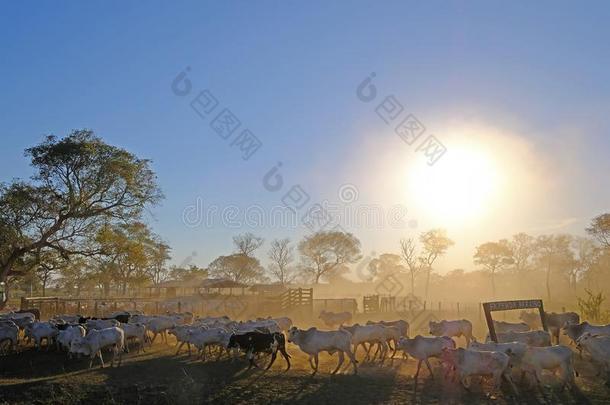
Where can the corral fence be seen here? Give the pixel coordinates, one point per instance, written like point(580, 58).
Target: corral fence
point(297, 302)
point(335, 305)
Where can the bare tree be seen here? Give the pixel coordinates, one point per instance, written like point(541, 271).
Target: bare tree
point(247, 243)
point(435, 244)
point(281, 255)
point(553, 252)
point(600, 229)
point(587, 254)
point(415, 263)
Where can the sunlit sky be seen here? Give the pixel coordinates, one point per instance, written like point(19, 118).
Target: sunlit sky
point(519, 94)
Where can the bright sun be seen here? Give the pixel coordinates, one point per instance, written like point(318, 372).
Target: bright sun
point(461, 187)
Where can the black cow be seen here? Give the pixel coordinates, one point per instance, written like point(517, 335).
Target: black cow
point(256, 342)
point(33, 311)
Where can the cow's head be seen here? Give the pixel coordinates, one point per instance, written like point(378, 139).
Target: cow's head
point(574, 331)
point(435, 328)
point(292, 332)
point(79, 346)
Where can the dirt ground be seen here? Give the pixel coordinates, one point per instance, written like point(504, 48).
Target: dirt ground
point(159, 377)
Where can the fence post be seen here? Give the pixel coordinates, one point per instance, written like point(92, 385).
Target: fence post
point(439, 306)
point(179, 306)
point(425, 302)
point(95, 309)
point(157, 307)
point(23, 304)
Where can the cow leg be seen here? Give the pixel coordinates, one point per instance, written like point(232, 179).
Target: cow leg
point(417, 373)
point(509, 378)
point(114, 350)
point(311, 362)
point(394, 349)
point(250, 355)
point(352, 358)
point(384, 351)
point(153, 338)
point(286, 356)
point(341, 360)
point(429, 368)
point(316, 361)
point(273, 356)
point(179, 347)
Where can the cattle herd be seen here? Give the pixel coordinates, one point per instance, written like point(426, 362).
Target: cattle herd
point(521, 351)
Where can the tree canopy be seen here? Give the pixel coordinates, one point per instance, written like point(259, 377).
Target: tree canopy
point(80, 183)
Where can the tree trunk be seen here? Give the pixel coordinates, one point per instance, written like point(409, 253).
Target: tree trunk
point(428, 281)
point(44, 287)
point(413, 284)
point(548, 282)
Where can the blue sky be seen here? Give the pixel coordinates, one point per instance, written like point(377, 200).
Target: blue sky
point(289, 72)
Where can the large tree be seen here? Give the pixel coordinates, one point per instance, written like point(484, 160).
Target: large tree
point(237, 267)
point(435, 244)
point(79, 183)
point(326, 251)
point(493, 256)
point(523, 249)
point(384, 265)
point(281, 255)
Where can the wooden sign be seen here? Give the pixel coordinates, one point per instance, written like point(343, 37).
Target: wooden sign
point(490, 307)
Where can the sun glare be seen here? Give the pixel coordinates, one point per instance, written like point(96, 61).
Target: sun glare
point(461, 187)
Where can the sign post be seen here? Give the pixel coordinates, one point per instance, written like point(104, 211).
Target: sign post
point(490, 307)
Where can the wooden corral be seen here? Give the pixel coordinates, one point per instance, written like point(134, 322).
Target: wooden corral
point(297, 301)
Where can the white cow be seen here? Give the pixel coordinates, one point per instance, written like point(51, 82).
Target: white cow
point(468, 363)
point(537, 338)
point(181, 333)
point(599, 349)
point(39, 331)
point(66, 336)
point(333, 320)
point(457, 328)
point(9, 331)
point(135, 331)
point(422, 348)
point(515, 348)
point(21, 319)
point(574, 332)
point(202, 338)
point(97, 324)
point(553, 358)
point(403, 326)
point(160, 325)
point(92, 344)
point(503, 327)
point(313, 341)
point(371, 334)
